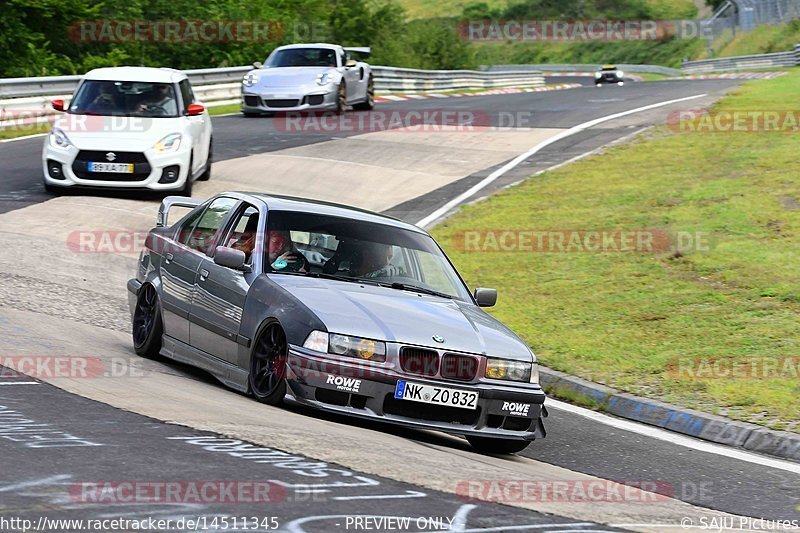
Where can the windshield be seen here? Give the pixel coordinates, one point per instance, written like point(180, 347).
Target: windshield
point(125, 98)
point(302, 57)
point(320, 245)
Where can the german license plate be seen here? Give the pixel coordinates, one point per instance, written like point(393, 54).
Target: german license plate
point(417, 392)
point(117, 168)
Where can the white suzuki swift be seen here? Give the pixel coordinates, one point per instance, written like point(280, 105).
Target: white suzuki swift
point(132, 128)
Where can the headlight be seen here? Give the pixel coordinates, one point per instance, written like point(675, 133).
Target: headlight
point(317, 341)
point(250, 79)
point(508, 370)
point(170, 143)
point(598, 75)
point(325, 78)
point(59, 139)
point(620, 74)
point(357, 347)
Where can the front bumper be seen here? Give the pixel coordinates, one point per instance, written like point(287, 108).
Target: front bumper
point(608, 79)
point(369, 393)
point(255, 101)
point(154, 166)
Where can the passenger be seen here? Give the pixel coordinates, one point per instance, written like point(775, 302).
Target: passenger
point(374, 261)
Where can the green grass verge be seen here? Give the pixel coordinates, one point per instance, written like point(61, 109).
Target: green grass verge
point(627, 319)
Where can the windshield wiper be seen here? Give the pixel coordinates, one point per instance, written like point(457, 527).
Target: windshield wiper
point(416, 288)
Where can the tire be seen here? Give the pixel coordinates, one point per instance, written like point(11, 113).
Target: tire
point(206, 175)
point(497, 446)
point(341, 99)
point(369, 103)
point(186, 190)
point(52, 189)
point(147, 325)
point(266, 381)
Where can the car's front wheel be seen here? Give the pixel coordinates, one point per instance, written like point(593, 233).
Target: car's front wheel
point(499, 446)
point(206, 175)
point(267, 379)
point(147, 325)
point(341, 99)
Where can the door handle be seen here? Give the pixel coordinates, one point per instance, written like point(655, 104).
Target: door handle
point(169, 258)
point(203, 274)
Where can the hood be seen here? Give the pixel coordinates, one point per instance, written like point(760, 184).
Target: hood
point(404, 317)
point(130, 134)
point(289, 76)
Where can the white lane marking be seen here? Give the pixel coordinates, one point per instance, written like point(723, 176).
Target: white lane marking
point(409, 494)
point(19, 383)
point(547, 142)
point(460, 518)
point(33, 136)
point(675, 438)
point(34, 483)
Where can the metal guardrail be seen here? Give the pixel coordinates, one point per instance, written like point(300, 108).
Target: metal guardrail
point(28, 99)
point(775, 60)
point(586, 67)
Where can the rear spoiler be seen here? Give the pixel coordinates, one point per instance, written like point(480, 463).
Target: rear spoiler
point(168, 202)
point(364, 51)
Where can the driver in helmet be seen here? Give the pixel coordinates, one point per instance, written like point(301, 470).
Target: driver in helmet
point(160, 102)
point(282, 254)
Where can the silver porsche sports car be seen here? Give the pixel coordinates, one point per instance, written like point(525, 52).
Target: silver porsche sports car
point(336, 308)
point(309, 77)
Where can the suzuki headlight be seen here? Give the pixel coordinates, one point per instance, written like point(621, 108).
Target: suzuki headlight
point(59, 139)
point(620, 74)
point(508, 370)
point(598, 75)
point(317, 341)
point(170, 143)
point(325, 78)
point(250, 79)
point(358, 347)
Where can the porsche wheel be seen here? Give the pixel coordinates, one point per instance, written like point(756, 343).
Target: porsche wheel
point(147, 326)
point(499, 446)
point(267, 379)
point(369, 103)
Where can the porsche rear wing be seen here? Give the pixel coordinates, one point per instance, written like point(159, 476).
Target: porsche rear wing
point(169, 202)
point(364, 51)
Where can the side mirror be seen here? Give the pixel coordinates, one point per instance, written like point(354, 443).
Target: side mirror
point(58, 105)
point(258, 64)
point(486, 297)
point(228, 257)
point(351, 63)
point(195, 109)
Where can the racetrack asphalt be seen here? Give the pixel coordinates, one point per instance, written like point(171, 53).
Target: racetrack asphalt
point(575, 443)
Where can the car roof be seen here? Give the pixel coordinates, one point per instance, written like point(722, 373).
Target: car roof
point(309, 45)
point(319, 207)
point(144, 74)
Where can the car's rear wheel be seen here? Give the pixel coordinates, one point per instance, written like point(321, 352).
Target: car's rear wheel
point(369, 103)
point(341, 99)
point(267, 379)
point(500, 446)
point(147, 326)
